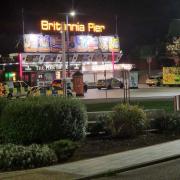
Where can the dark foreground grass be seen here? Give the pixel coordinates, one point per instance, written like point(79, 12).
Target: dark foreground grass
point(166, 104)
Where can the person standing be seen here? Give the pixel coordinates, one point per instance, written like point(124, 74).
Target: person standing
point(85, 87)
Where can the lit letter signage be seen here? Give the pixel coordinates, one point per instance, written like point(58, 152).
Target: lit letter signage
point(44, 25)
point(56, 26)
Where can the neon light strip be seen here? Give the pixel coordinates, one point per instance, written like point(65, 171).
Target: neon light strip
point(20, 66)
point(113, 60)
point(8, 64)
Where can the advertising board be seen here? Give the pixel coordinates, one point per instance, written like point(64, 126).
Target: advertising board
point(31, 43)
point(36, 43)
point(171, 75)
point(77, 43)
point(114, 44)
point(133, 79)
point(85, 43)
point(109, 43)
point(104, 43)
point(55, 44)
point(43, 43)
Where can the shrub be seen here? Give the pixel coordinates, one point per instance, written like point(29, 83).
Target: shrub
point(127, 121)
point(174, 123)
point(160, 121)
point(168, 123)
point(64, 149)
point(21, 157)
point(3, 103)
point(100, 121)
point(43, 120)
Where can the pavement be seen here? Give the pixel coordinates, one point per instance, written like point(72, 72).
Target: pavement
point(97, 167)
point(135, 94)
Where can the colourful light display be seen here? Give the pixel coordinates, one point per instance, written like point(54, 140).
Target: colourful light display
point(78, 43)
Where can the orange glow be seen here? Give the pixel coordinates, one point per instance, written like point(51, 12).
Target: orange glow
point(56, 26)
point(92, 27)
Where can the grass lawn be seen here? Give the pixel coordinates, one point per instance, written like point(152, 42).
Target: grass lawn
point(167, 105)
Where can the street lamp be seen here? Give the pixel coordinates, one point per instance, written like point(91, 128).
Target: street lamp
point(72, 13)
point(64, 46)
point(63, 58)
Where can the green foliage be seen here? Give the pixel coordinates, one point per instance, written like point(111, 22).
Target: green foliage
point(3, 103)
point(168, 123)
point(42, 120)
point(165, 104)
point(97, 122)
point(22, 157)
point(173, 49)
point(127, 121)
point(64, 149)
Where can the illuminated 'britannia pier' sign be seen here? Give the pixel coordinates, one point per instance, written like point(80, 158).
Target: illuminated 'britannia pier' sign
point(57, 26)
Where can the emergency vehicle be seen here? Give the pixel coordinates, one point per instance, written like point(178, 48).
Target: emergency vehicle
point(16, 89)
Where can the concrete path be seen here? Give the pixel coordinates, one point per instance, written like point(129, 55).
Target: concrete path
point(90, 168)
point(120, 161)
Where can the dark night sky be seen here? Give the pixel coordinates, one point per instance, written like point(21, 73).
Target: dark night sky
point(139, 21)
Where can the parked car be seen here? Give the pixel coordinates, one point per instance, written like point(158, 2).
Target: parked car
point(154, 81)
point(109, 83)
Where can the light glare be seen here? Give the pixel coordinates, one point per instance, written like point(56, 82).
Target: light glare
point(72, 13)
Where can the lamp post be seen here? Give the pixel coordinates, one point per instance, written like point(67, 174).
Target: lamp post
point(63, 58)
point(64, 50)
point(72, 13)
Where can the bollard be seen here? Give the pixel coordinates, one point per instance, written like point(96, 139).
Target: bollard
point(177, 103)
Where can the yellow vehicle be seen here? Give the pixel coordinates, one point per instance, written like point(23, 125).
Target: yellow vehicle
point(154, 81)
point(16, 89)
point(55, 89)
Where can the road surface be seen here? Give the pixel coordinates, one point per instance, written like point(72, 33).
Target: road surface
point(143, 92)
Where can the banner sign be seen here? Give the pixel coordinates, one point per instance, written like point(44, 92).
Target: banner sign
point(55, 44)
point(36, 43)
point(133, 79)
point(78, 43)
point(109, 43)
point(85, 43)
point(30, 43)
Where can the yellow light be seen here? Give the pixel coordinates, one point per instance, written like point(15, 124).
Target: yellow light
point(75, 27)
point(44, 25)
